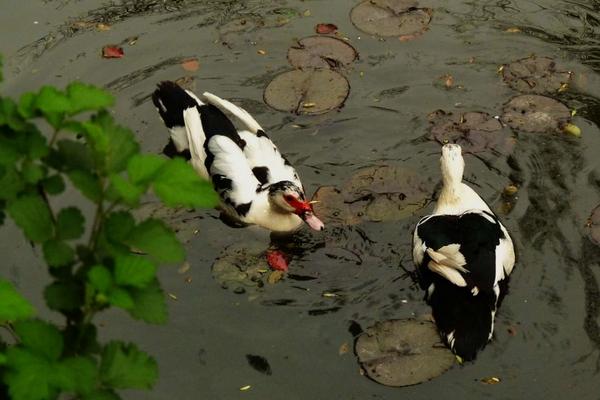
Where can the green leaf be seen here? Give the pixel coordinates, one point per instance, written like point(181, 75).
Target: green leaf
point(119, 297)
point(13, 306)
point(33, 173)
point(36, 144)
point(118, 225)
point(11, 183)
point(57, 253)
point(122, 143)
point(124, 366)
point(134, 271)
point(74, 155)
point(10, 116)
point(100, 278)
point(155, 238)
point(76, 374)
point(29, 376)
point(40, 337)
point(177, 184)
point(63, 296)
point(54, 184)
point(31, 213)
point(52, 101)
point(87, 98)
point(9, 151)
point(125, 190)
point(27, 105)
point(70, 223)
point(142, 168)
point(149, 304)
point(87, 183)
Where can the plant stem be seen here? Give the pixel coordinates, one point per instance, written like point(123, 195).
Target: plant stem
point(12, 332)
point(97, 219)
point(54, 137)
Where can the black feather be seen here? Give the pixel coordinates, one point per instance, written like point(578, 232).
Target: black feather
point(171, 100)
point(262, 174)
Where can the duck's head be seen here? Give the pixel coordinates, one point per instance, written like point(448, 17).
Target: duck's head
point(287, 197)
point(452, 163)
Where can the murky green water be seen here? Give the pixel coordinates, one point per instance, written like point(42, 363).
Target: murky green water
point(552, 349)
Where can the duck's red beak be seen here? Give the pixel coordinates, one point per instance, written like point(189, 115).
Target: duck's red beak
point(305, 211)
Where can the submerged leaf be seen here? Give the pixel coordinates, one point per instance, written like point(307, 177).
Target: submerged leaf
point(402, 352)
point(535, 75)
point(534, 113)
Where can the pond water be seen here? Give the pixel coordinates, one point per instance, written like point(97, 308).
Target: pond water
point(547, 338)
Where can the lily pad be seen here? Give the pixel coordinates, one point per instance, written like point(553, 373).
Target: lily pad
point(307, 91)
point(321, 52)
point(402, 18)
point(593, 226)
point(475, 132)
point(242, 267)
point(403, 352)
point(382, 193)
point(536, 75)
point(534, 113)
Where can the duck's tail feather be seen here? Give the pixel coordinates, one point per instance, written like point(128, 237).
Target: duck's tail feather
point(242, 115)
point(171, 101)
point(465, 322)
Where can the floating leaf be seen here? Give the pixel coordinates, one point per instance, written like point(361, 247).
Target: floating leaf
point(321, 52)
point(403, 353)
point(382, 193)
point(572, 129)
point(475, 132)
point(534, 113)
point(535, 75)
point(326, 90)
point(402, 18)
point(112, 51)
point(326, 29)
point(190, 64)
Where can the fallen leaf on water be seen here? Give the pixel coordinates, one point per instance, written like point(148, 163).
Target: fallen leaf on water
point(492, 380)
point(262, 52)
point(103, 27)
point(277, 260)
point(244, 388)
point(572, 129)
point(459, 359)
point(563, 87)
point(307, 13)
point(190, 64)
point(308, 105)
point(510, 190)
point(514, 29)
point(185, 267)
point(329, 295)
point(344, 348)
point(171, 295)
point(324, 29)
point(131, 40)
point(188, 279)
point(448, 81)
point(573, 112)
point(112, 51)
point(275, 276)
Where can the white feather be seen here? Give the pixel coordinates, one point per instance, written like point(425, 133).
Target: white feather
point(449, 273)
point(196, 138)
point(236, 111)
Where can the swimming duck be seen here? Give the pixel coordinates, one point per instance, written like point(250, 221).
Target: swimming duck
point(463, 256)
point(255, 182)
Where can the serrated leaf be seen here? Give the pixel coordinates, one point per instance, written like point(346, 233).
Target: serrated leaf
point(31, 213)
point(74, 155)
point(88, 184)
point(100, 278)
point(36, 144)
point(155, 238)
point(149, 304)
point(53, 184)
point(57, 253)
point(118, 225)
point(87, 98)
point(13, 306)
point(120, 142)
point(27, 105)
point(10, 116)
point(63, 296)
point(76, 374)
point(11, 183)
point(69, 223)
point(50, 100)
point(177, 184)
point(142, 168)
point(29, 376)
point(124, 366)
point(134, 271)
point(9, 151)
point(119, 297)
point(125, 190)
point(33, 173)
point(40, 338)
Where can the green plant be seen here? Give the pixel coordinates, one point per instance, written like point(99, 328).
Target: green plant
point(111, 262)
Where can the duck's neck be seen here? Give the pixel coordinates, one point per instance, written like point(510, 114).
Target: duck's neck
point(452, 190)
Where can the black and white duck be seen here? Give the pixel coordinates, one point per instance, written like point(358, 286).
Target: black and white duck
point(255, 182)
point(463, 256)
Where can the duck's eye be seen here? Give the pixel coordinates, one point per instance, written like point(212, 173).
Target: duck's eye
point(288, 198)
